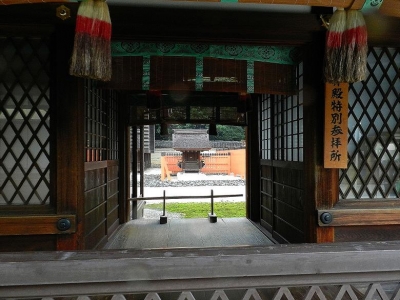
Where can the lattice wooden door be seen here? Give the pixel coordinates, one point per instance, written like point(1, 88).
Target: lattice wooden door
point(26, 203)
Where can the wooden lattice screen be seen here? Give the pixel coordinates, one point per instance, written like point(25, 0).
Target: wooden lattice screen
point(374, 131)
point(101, 126)
point(281, 125)
point(24, 121)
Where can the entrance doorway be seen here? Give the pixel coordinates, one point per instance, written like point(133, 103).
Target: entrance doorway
point(220, 171)
point(145, 231)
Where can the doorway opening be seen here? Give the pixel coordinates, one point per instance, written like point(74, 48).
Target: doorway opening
point(204, 174)
point(204, 167)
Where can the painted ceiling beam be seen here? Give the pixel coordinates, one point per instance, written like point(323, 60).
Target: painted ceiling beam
point(324, 3)
point(387, 7)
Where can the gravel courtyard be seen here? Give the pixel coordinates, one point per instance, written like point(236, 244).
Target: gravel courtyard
point(154, 180)
point(191, 185)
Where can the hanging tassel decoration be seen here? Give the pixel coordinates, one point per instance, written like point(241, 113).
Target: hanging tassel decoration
point(91, 56)
point(82, 51)
point(335, 54)
point(356, 45)
point(101, 52)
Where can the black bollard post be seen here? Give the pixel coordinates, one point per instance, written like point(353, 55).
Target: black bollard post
point(163, 218)
point(211, 216)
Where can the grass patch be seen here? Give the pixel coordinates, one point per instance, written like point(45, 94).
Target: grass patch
point(201, 209)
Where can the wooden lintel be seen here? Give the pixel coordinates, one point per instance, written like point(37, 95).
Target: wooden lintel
point(35, 225)
point(354, 4)
point(326, 3)
point(390, 7)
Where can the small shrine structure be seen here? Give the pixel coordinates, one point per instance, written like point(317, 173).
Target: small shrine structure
point(191, 142)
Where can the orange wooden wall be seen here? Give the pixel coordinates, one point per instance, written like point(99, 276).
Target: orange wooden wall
point(222, 162)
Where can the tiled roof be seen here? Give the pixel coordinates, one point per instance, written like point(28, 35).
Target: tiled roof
point(190, 139)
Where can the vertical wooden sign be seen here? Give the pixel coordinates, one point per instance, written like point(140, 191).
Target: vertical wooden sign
point(335, 131)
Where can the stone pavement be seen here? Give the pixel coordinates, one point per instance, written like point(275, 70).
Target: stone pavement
point(193, 233)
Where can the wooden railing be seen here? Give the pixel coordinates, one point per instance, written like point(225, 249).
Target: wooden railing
point(211, 216)
point(308, 271)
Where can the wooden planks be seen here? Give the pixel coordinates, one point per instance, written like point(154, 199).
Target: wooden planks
point(282, 202)
point(101, 201)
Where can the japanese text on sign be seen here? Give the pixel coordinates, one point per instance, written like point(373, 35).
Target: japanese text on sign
point(335, 134)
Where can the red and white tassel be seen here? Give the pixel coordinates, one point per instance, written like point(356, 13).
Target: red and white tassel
point(82, 51)
point(91, 56)
point(356, 45)
point(101, 34)
point(335, 55)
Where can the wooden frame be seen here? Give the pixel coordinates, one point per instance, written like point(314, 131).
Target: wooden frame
point(265, 28)
point(35, 225)
point(361, 213)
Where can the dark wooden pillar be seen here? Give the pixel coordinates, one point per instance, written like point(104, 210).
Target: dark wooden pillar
point(253, 171)
point(141, 153)
point(134, 170)
point(124, 160)
point(321, 185)
point(67, 125)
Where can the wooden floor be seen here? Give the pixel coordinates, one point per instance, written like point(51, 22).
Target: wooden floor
point(187, 233)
